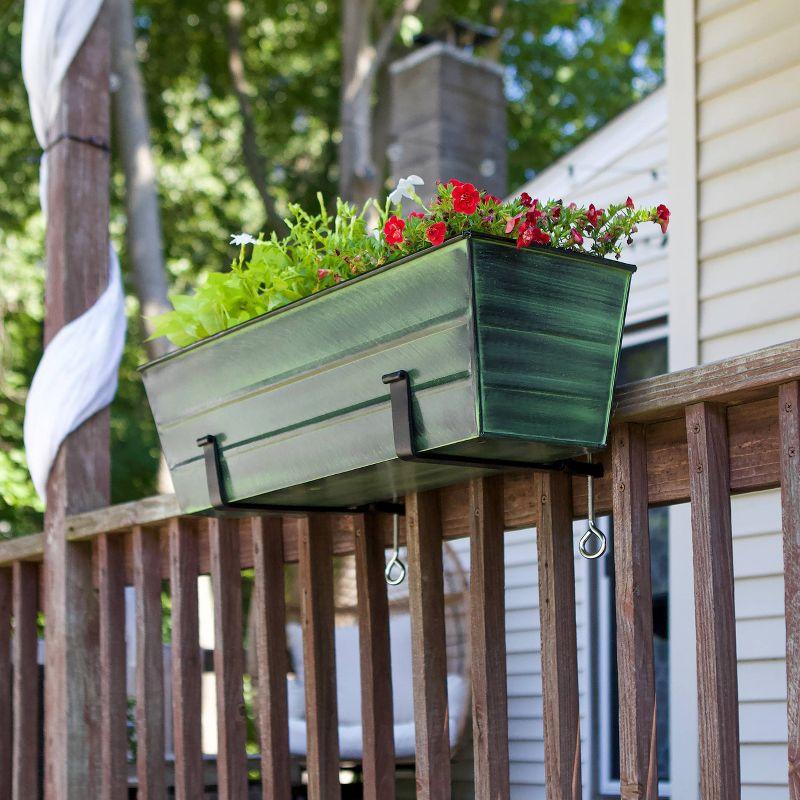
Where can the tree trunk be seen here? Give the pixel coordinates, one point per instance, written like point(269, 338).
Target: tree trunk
point(356, 168)
point(253, 159)
point(141, 196)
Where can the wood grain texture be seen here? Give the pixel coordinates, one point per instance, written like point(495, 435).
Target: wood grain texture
point(377, 712)
point(634, 604)
point(77, 273)
point(110, 558)
point(226, 578)
point(789, 415)
point(428, 645)
point(488, 640)
point(6, 740)
point(712, 546)
point(315, 574)
point(271, 657)
point(562, 738)
point(186, 674)
point(24, 659)
point(150, 775)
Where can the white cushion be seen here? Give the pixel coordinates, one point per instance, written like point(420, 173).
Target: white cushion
point(351, 737)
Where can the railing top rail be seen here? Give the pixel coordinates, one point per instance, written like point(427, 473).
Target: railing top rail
point(743, 379)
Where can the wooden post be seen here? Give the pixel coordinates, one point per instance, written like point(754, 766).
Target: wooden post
point(562, 732)
point(5, 682)
point(488, 639)
point(789, 416)
point(25, 782)
point(635, 671)
point(271, 657)
point(428, 645)
point(315, 569)
point(712, 545)
point(77, 271)
point(186, 670)
point(226, 579)
point(377, 713)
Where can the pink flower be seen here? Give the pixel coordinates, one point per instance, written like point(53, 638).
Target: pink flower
point(322, 274)
point(416, 215)
point(576, 236)
point(436, 233)
point(491, 198)
point(512, 223)
point(662, 217)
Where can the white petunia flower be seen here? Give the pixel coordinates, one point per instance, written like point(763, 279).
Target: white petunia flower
point(242, 238)
point(405, 188)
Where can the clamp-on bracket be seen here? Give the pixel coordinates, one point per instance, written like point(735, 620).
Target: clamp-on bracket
point(405, 435)
point(219, 501)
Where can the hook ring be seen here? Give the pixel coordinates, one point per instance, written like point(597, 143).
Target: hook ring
point(395, 565)
point(593, 532)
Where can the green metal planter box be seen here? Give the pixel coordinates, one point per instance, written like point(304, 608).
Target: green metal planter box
point(511, 355)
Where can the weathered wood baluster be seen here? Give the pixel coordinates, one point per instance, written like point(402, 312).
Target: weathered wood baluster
point(562, 738)
point(25, 665)
point(186, 674)
point(271, 658)
point(226, 578)
point(488, 639)
point(6, 743)
point(789, 416)
point(110, 556)
point(377, 713)
point(315, 557)
point(712, 545)
point(149, 665)
point(428, 643)
point(635, 671)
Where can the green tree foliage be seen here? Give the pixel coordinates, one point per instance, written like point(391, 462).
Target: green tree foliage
point(571, 66)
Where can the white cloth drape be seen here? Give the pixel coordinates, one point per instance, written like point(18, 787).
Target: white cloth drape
point(77, 375)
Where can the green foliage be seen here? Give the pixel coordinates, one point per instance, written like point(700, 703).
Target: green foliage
point(322, 250)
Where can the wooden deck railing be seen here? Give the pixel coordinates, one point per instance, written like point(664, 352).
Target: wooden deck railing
point(698, 435)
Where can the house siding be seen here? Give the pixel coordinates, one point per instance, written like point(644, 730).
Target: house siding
point(748, 187)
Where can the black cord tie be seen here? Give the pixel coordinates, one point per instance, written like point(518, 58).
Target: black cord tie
point(92, 141)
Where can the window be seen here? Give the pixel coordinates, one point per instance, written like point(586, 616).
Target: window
point(644, 355)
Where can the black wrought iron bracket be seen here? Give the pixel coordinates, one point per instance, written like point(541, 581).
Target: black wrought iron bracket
point(405, 436)
point(212, 457)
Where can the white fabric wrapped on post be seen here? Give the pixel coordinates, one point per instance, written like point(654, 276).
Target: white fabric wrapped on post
point(77, 375)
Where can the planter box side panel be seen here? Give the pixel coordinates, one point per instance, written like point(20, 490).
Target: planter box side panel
point(296, 396)
point(549, 327)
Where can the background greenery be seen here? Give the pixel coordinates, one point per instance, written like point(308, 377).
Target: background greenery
point(571, 66)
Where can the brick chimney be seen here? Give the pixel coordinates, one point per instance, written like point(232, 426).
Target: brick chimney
point(448, 118)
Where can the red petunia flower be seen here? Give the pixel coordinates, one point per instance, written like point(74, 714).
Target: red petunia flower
point(629, 203)
point(491, 198)
point(436, 233)
point(454, 182)
point(526, 200)
point(532, 235)
point(576, 236)
point(594, 214)
point(465, 198)
point(555, 212)
point(393, 230)
point(417, 215)
point(662, 217)
point(533, 215)
point(322, 274)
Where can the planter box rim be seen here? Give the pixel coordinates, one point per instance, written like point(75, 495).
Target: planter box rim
point(466, 235)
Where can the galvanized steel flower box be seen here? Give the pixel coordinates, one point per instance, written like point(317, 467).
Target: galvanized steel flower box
point(511, 354)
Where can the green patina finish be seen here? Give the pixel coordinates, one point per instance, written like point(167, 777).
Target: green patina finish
point(512, 354)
